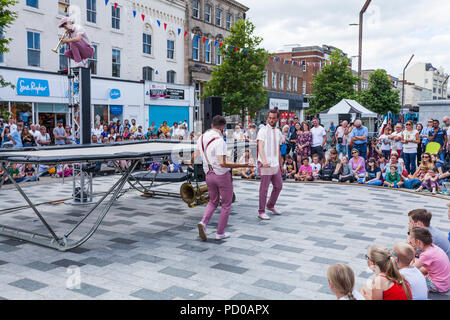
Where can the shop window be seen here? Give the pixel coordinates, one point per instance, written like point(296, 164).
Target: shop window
point(116, 113)
point(101, 114)
point(22, 111)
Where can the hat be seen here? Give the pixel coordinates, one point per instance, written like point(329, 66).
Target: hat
point(63, 21)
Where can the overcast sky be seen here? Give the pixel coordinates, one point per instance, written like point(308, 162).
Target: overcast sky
point(393, 29)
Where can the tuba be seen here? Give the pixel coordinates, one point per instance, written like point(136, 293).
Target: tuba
point(65, 35)
point(196, 196)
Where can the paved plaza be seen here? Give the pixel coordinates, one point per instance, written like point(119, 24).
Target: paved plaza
point(148, 248)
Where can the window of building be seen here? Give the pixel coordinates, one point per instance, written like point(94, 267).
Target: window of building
point(434, 90)
point(294, 84)
point(33, 3)
point(147, 43)
point(439, 91)
point(63, 7)
point(116, 63)
point(265, 82)
point(171, 76)
point(91, 11)
point(229, 21)
point(281, 82)
point(170, 49)
point(93, 61)
point(288, 81)
point(208, 51)
point(304, 87)
point(195, 42)
point(218, 56)
point(34, 49)
point(63, 60)
point(218, 17)
point(147, 73)
point(208, 13)
point(115, 17)
point(274, 80)
point(196, 9)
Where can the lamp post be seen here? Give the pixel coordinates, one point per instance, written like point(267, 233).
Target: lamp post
point(403, 82)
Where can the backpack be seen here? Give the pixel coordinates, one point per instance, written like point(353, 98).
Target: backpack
point(327, 173)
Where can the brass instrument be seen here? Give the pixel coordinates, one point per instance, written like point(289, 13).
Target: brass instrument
point(196, 196)
point(65, 35)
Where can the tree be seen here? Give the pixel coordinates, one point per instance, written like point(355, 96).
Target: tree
point(334, 83)
point(381, 96)
point(7, 17)
point(239, 79)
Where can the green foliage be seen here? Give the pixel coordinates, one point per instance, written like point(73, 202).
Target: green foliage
point(7, 17)
point(334, 83)
point(4, 114)
point(380, 97)
point(239, 79)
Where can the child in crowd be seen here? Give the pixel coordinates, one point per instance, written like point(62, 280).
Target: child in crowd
point(344, 171)
point(290, 167)
point(305, 171)
point(430, 181)
point(29, 172)
point(382, 162)
point(341, 280)
point(386, 142)
point(388, 284)
point(66, 170)
point(404, 254)
point(373, 174)
point(15, 173)
point(316, 167)
point(393, 178)
point(432, 262)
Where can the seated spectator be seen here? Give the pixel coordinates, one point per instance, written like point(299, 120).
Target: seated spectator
point(415, 181)
point(105, 132)
point(43, 139)
point(358, 165)
point(14, 172)
point(119, 139)
point(27, 138)
point(432, 262)
point(430, 181)
point(438, 163)
point(111, 139)
point(126, 133)
point(94, 139)
point(344, 171)
point(139, 134)
point(382, 162)
point(341, 280)
point(373, 149)
point(291, 167)
point(105, 140)
point(304, 172)
point(330, 165)
point(373, 174)
point(393, 178)
point(7, 140)
point(112, 134)
point(388, 284)
point(316, 167)
point(395, 159)
point(404, 254)
point(66, 171)
point(149, 134)
point(29, 172)
point(422, 218)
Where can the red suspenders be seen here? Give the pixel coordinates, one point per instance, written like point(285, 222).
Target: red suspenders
point(204, 151)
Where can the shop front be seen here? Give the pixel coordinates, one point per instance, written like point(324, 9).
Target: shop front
point(170, 103)
point(289, 106)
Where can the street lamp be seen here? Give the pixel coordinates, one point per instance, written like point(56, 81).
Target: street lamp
point(361, 13)
point(403, 82)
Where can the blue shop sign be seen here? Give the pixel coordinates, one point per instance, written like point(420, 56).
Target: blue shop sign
point(33, 87)
point(116, 110)
point(114, 93)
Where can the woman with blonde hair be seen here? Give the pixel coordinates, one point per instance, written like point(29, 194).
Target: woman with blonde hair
point(341, 280)
point(388, 284)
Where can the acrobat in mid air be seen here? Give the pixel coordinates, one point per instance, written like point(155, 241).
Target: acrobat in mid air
point(80, 47)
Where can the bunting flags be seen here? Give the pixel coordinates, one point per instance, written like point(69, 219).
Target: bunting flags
point(143, 17)
point(134, 13)
point(115, 5)
point(165, 26)
point(179, 31)
point(106, 2)
point(159, 23)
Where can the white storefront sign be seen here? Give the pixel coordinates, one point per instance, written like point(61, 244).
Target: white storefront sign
point(281, 104)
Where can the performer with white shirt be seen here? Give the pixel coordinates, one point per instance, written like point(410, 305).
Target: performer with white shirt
point(269, 164)
point(213, 150)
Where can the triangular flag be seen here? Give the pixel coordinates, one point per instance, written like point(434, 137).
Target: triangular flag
point(179, 31)
point(204, 39)
point(246, 51)
point(231, 48)
point(143, 17)
point(221, 44)
point(106, 2)
point(115, 5)
point(236, 49)
point(134, 13)
point(159, 23)
point(165, 26)
point(192, 36)
point(185, 33)
point(216, 43)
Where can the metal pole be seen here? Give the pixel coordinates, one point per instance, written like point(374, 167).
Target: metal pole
point(442, 88)
point(403, 82)
point(364, 8)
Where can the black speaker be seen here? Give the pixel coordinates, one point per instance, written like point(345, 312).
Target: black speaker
point(212, 107)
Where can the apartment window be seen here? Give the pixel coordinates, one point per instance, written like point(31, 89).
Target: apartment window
point(63, 60)
point(170, 76)
point(91, 11)
point(196, 10)
point(439, 91)
point(208, 13)
point(34, 49)
point(195, 48)
point(208, 51)
point(274, 80)
point(93, 61)
point(281, 83)
point(218, 17)
point(289, 84)
point(116, 63)
point(229, 20)
point(294, 84)
point(170, 49)
point(434, 90)
point(115, 17)
point(33, 3)
point(218, 56)
point(304, 87)
point(265, 82)
point(147, 73)
point(147, 43)
point(63, 7)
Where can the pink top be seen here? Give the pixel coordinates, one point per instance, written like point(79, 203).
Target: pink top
point(355, 165)
point(305, 170)
point(435, 260)
point(77, 29)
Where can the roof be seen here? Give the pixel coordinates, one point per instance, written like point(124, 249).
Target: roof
point(349, 106)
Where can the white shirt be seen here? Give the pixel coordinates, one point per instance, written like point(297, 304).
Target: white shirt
point(238, 136)
point(417, 283)
point(217, 148)
point(356, 294)
point(12, 127)
point(97, 131)
point(40, 137)
point(410, 147)
point(272, 138)
point(35, 133)
point(317, 136)
point(397, 145)
point(385, 146)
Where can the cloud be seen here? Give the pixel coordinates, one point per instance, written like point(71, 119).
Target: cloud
point(393, 30)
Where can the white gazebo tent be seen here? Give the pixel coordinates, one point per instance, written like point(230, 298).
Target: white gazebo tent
point(349, 110)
